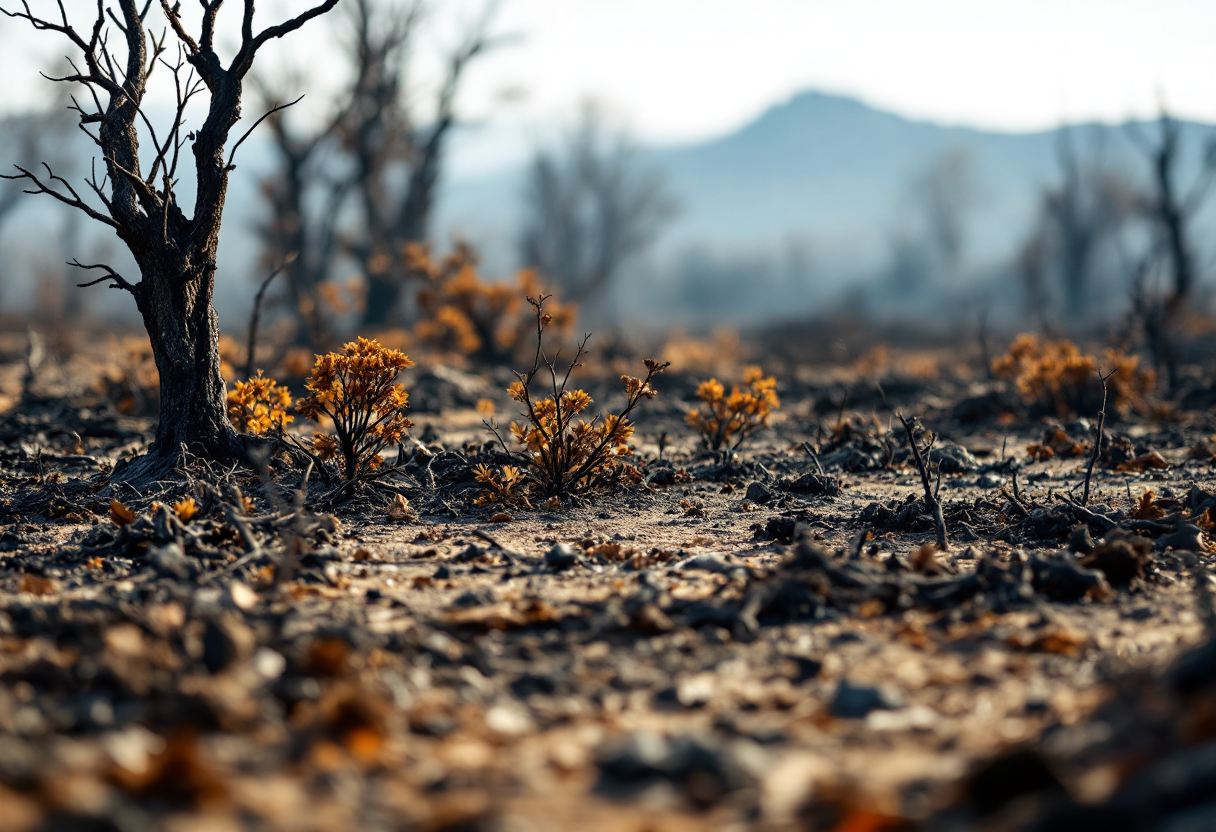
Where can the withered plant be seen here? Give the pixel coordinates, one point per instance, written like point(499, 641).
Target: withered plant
point(726, 421)
point(564, 456)
point(136, 191)
point(465, 314)
point(356, 391)
point(259, 406)
point(1056, 377)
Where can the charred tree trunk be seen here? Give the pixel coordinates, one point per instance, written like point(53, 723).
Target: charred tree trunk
point(1170, 212)
point(377, 146)
point(176, 254)
point(184, 330)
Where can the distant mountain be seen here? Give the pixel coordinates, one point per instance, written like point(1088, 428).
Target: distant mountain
point(798, 208)
point(810, 196)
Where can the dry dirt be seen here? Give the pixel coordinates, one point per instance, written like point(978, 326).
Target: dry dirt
point(745, 642)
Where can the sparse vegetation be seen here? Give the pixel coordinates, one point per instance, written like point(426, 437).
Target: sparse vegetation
point(355, 391)
point(1054, 376)
point(805, 611)
point(725, 421)
point(565, 456)
point(259, 406)
point(464, 314)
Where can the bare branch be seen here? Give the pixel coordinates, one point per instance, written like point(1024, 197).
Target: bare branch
point(931, 502)
point(73, 199)
point(277, 108)
point(1098, 435)
point(119, 281)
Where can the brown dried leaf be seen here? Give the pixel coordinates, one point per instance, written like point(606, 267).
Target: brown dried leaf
point(120, 514)
point(1039, 452)
point(1146, 509)
point(399, 511)
point(1060, 642)
point(1152, 459)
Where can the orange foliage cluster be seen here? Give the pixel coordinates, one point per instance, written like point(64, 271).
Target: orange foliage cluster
point(726, 418)
point(259, 406)
point(356, 390)
point(465, 314)
point(1056, 375)
point(1056, 443)
point(565, 455)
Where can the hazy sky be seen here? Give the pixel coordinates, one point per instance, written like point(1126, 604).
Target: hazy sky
point(689, 68)
point(681, 70)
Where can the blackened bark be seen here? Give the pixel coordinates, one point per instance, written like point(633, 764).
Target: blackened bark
point(176, 254)
point(184, 331)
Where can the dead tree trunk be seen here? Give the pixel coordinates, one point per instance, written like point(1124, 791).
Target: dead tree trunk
point(392, 225)
point(176, 254)
point(1170, 212)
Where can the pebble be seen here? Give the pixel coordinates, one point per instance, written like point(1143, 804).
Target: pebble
point(561, 557)
point(854, 701)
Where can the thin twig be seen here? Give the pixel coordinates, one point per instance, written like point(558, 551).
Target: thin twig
point(256, 316)
point(931, 502)
point(1093, 457)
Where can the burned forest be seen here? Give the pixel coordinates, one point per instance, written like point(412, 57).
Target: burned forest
point(574, 518)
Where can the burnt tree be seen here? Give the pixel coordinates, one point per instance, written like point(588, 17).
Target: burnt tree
point(305, 241)
point(1169, 213)
point(175, 253)
point(382, 134)
point(368, 150)
point(589, 208)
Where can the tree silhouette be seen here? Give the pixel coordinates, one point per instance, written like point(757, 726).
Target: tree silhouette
point(175, 252)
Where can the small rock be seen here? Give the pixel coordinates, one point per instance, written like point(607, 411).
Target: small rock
point(170, 561)
point(561, 557)
point(269, 664)
point(709, 561)
point(474, 598)
point(808, 668)
point(662, 477)
point(856, 701)
point(697, 690)
point(953, 459)
point(815, 484)
point(778, 530)
point(648, 618)
point(242, 595)
point(508, 720)
point(758, 492)
point(989, 481)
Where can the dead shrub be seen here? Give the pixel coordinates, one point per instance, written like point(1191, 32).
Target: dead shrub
point(564, 456)
point(1055, 376)
point(727, 420)
point(259, 406)
point(356, 391)
point(467, 315)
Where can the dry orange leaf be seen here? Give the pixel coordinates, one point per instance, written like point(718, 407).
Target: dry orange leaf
point(1152, 459)
point(120, 514)
point(1060, 642)
point(186, 509)
point(399, 510)
point(1205, 521)
point(868, 820)
point(1039, 452)
point(1146, 509)
point(924, 559)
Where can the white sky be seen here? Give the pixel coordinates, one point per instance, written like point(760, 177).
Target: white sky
point(681, 70)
